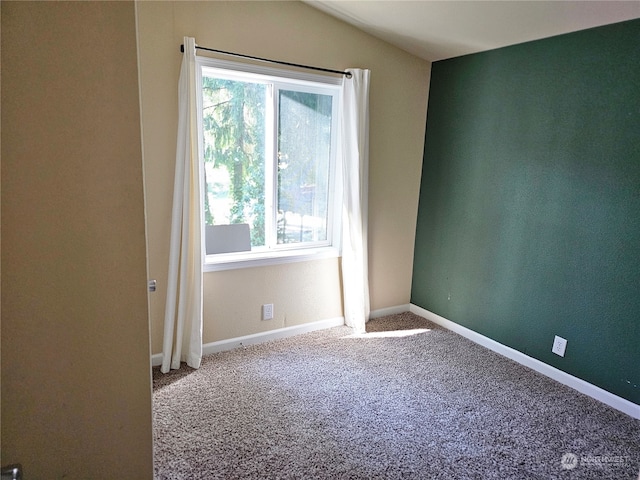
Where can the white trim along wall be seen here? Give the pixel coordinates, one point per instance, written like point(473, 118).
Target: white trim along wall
point(576, 383)
point(254, 339)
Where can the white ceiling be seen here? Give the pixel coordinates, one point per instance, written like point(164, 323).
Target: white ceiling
point(435, 30)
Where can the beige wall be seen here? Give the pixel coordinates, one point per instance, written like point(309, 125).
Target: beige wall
point(294, 32)
point(76, 396)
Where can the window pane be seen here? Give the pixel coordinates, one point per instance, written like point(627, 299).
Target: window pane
point(304, 148)
point(234, 151)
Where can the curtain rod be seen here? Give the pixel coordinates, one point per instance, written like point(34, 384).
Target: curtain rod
point(309, 67)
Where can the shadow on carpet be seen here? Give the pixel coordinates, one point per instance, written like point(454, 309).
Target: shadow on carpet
point(408, 400)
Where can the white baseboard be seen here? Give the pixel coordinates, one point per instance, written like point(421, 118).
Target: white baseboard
point(576, 383)
point(262, 337)
point(382, 312)
point(253, 339)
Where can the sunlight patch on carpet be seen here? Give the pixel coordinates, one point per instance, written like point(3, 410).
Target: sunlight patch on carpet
point(389, 334)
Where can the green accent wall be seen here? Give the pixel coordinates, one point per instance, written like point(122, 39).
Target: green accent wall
point(529, 213)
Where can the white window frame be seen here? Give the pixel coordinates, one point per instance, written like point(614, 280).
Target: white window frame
point(285, 253)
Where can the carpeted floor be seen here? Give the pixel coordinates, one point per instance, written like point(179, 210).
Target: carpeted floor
point(407, 400)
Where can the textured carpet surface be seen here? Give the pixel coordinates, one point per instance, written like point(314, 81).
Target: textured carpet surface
point(406, 400)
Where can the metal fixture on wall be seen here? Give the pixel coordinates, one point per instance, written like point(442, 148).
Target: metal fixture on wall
point(11, 472)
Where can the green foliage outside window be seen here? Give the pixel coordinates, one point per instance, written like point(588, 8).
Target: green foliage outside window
point(234, 140)
point(235, 132)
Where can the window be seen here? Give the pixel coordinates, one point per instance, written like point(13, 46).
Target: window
point(268, 148)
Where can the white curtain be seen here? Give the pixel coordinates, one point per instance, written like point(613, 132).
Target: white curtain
point(183, 313)
point(355, 173)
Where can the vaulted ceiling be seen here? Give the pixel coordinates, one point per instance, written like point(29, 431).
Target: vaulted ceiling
point(435, 30)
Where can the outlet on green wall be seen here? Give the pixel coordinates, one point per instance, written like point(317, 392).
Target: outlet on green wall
point(529, 214)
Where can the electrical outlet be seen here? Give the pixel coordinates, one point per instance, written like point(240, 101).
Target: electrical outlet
point(559, 346)
point(267, 311)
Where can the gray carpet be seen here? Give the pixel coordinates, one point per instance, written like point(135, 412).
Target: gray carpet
point(428, 405)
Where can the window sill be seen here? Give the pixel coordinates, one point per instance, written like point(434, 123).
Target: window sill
point(233, 261)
